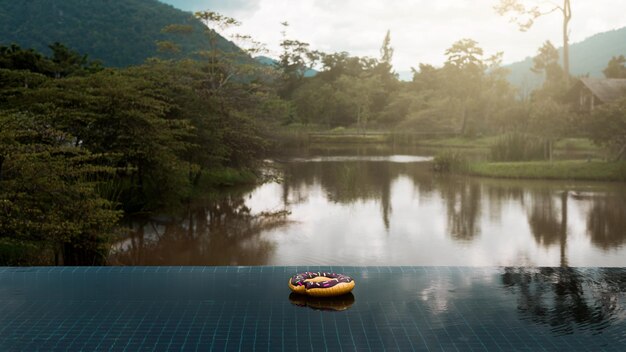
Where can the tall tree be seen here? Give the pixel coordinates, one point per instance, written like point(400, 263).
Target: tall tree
point(386, 51)
point(524, 15)
point(48, 193)
point(547, 63)
point(465, 70)
point(295, 59)
point(616, 67)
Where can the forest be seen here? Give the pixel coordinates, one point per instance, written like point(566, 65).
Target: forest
point(84, 144)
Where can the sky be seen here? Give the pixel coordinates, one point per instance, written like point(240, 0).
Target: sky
point(421, 30)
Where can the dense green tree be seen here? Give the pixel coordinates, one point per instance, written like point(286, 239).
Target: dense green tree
point(474, 84)
point(64, 62)
point(470, 94)
point(547, 63)
point(112, 112)
point(13, 57)
point(48, 193)
point(616, 67)
point(295, 60)
point(338, 64)
point(384, 67)
point(607, 126)
point(550, 120)
point(141, 137)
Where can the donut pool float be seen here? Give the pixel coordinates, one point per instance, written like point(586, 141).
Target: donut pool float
point(321, 284)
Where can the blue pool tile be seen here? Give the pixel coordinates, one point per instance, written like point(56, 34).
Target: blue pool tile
point(249, 308)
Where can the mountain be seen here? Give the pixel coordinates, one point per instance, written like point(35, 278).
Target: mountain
point(590, 56)
point(117, 32)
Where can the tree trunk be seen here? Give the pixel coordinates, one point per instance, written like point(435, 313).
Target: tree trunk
point(567, 16)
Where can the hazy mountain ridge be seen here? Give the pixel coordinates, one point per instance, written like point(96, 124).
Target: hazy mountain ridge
point(589, 56)
point(117, 32)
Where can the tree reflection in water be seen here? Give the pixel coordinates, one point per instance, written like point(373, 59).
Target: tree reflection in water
point(413, 205)
point(606, 222)
point(463, 205)
point(220, 232)
point(567, 299)
point(546, 225)
point(347, 182)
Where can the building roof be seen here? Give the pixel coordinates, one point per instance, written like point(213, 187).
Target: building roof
point(606, 89)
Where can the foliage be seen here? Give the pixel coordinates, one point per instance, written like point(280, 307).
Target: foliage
point(616, 67)
point(449, 161)
point(547, 63)
point(63, 62)
point(553, 170)
point(518, 147)
point(48, 192)
point(295, 60)
point(76, 149)
point(607, 126)
point(468, 95)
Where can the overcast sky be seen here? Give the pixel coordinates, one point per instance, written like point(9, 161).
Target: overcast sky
point(421, 30)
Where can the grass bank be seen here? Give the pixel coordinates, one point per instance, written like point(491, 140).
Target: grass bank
point(555, 170)
point(459, 142)
point(565, 144)
point(227, 177)
point(348, 138)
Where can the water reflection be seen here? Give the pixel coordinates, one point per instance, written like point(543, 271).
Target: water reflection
point(334, 304)
point(567, 300)
point(547, 223)
point(364, 211)
point(606, 221)
point(463, 208)
point(219, 232)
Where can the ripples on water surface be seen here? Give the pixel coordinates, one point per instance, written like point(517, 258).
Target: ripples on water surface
point(381, 209)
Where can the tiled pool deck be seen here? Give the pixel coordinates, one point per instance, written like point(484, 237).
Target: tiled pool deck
point(250, 309)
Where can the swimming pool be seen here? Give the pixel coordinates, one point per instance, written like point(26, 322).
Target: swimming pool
point(250, 308)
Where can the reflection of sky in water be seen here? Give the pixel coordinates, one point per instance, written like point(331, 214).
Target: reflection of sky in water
point(352, 211)
point(327, 232)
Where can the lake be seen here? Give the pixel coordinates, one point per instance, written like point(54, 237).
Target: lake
point(372, 206)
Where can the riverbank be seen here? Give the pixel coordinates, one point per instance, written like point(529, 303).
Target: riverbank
point(579, 145)
point(556, 170)
point(300, 136)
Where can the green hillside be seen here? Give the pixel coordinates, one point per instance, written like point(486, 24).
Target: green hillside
point(590, 56)
point(117, 32)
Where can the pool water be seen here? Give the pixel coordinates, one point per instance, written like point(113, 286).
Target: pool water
point(251, 309)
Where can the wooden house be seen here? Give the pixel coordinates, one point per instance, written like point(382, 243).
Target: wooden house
point(596, 91)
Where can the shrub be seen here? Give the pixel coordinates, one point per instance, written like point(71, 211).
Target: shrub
point(518, 147)
point(449, 161)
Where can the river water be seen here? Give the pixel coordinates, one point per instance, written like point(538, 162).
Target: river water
point(371, 207)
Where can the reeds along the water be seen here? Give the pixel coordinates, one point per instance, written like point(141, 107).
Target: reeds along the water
point(518, 147)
